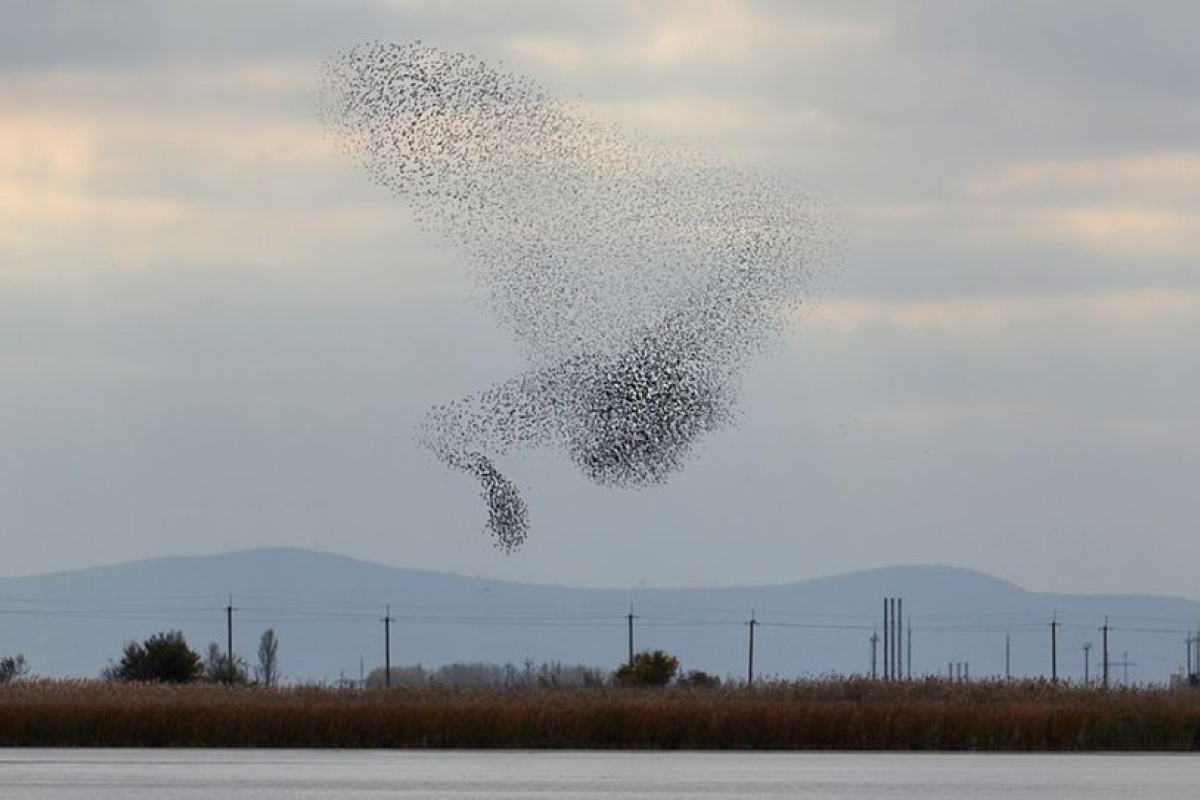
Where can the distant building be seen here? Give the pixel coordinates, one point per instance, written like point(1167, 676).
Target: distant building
point(1184, 680)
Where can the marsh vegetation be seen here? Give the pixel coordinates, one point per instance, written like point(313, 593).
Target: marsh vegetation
point(831, 714)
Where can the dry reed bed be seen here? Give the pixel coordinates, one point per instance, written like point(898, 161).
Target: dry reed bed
point(827, 715)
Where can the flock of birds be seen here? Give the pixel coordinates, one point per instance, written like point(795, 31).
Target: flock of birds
point(638, 277)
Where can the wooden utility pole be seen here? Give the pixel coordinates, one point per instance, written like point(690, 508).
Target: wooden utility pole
point(387, 646)
point(1104, 631)
point(1054, 623)
point(753, 623)
point(229, 641)
point(631, 619)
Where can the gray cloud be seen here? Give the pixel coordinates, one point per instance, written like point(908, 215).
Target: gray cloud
point(1110, 49)
point(138, 34)
point(213, 335)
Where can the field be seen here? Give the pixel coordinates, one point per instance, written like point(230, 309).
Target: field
point(851, 714)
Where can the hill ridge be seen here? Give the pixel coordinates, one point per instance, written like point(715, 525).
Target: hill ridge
point(326, 609)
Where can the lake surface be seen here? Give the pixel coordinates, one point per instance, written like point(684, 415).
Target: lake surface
point(39, 774)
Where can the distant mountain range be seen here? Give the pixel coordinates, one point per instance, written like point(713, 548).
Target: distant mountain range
point(328, 611)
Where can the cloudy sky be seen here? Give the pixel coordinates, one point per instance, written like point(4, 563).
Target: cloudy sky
point(215, 333)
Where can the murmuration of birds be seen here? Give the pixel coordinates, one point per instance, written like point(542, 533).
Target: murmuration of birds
point(640, 278)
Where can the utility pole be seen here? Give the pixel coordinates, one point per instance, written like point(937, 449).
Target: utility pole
point(753, 623)
point(887, 629)
point(1193, 664)
point(908, 657)
point(1196, 663)
point(874, 646)
point(229, 640)
point(893, 639)
point(631, 619)
point(387, 646)
point(1087, 649)
point(1125, 664)
point(1104, 630)
point(1054, 623)
point(1007, 656)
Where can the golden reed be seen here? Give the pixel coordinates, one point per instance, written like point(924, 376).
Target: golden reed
point(832, 714)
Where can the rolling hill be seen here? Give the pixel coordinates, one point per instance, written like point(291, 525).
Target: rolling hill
point(328, 611)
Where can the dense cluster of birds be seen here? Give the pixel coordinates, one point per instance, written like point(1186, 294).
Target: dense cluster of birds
point(639, 277)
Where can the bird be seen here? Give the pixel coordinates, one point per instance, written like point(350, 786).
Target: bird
point(639, 278)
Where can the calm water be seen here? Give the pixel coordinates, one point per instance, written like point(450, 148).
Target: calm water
point(341, 775)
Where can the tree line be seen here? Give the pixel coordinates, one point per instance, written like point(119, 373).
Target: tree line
point(166, 657)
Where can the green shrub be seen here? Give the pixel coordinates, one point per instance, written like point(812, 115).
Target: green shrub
point(648, 669)
point(164, 657)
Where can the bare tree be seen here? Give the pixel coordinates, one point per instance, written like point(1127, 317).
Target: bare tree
point(268, 657)
point(13, 668)
point(220, 668)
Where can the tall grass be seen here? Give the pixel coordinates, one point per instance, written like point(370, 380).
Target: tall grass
point(829, 715)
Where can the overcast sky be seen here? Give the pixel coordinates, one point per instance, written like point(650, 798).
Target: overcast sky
point(215, 333)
